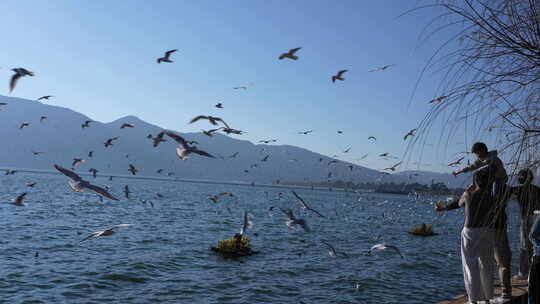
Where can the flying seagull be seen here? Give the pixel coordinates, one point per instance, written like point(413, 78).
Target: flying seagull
point(86, 124)
point(384, 246)
point(347, 150)
point(381, 68)
point(305, 205)
point(339, 76)
point(457, 162)
point(247, 223)
point(105, 232)
point(24, 124)
point(265, 158)
point(109, 142)
point(19, 72)
point(213, 120)
point(76, 161)
point(293, 221)
point(126, 125)
point(393, 168)
point(167, 56)
point(210, 132)
point(19, 201)
point(219, 106)
point(267, 141)
point(372, 137)
point(42, 118)
point(77, 184)
point(214, 198)
point(158, 139)
point(305, 132)
point(290, 54)
point(126, 191)
point(132, 169)
point(93, 171)
point(411, 133)
point(384, 154)
point(46, 97)
point(37, 152)
point(332, 251)
point(438, 99)
point(10, 172)
point(90, 154)
point(186, 149)
point(332, 162)
point(31, 185)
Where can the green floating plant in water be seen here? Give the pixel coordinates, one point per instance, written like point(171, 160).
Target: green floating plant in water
point(235, 246)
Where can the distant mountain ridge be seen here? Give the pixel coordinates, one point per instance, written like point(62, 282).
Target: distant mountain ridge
point(62, 138)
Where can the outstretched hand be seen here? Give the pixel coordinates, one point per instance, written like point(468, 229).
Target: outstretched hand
point(439, 206)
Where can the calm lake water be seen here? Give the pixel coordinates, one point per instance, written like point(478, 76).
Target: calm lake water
point(165, 257)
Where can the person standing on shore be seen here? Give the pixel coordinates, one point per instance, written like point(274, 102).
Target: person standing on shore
point(498, 178)
point(477, 237)
point(534, 273)
point(528, 198)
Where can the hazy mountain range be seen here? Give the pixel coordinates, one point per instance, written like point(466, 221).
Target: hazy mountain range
point(61, 139)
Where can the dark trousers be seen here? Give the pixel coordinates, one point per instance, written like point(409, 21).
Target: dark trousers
point(503, 257)
point(534, 281)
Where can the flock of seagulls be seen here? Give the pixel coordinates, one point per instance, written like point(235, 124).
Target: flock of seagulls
point(187, 148)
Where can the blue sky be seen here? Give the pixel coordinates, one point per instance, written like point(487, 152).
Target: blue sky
point(98, 58)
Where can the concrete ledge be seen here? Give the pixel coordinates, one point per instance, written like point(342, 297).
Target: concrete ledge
point(519, 293)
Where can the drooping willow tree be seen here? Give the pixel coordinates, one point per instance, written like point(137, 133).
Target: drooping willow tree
point(490, 74)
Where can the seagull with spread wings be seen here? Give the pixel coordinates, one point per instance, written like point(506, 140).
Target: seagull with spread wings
point(46, 97)
point(247, 223)
point(410, 133)
point(42, 118)
point(76, 161)
point(24, 124)
point(126, 125)
point(306, 132)
point(158, 139)
point(109, 142)
point(105, 232)
point(132, 169)
point(167, 57)
point(290, 54)
point(384, 246)
point(305, 205)
point(19, 201)
point(10, 172)
point(372, 137)
point(339, 76)
point(19, 72)
point(77, 184)
point(332, 251)
point(394, 167)
point(438, 99)
point(86, 124)
point(381, 68)
point(457, 162)
point(94, 172)
point(212, 119)
point(293, 221)
point(126, 191)
point(186, 149)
